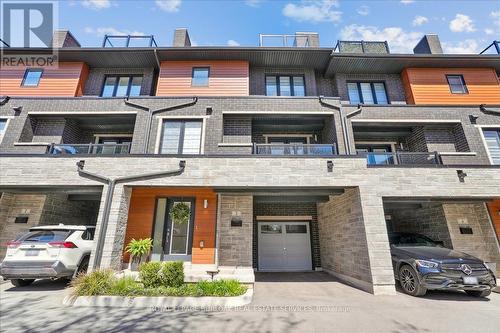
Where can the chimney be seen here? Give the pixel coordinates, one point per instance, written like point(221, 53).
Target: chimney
point(64, 38)
point(429, 44)
point(181, 38)
point(306, 39)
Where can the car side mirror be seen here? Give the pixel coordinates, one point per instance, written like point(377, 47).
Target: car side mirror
point(439, 243)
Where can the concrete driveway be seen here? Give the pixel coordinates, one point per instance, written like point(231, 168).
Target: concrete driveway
point(293, 302)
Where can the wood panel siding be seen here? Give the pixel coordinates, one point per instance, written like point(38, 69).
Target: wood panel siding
point(494, 208)
point(227, 78)
point(141, 218)
point(430, 86)
point(65, 80)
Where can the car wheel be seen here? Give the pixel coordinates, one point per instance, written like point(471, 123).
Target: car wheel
point(21, 282)
point(478, 293)
point(82, 269)
point(408, 279)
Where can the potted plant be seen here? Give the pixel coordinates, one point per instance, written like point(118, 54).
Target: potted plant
point(139, 251)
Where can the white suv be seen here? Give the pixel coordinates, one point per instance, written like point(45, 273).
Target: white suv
point(51, 251)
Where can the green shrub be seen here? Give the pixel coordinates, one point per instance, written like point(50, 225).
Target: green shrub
point(162, 274)
point(125, 286)
point(97, 282)
point(172, 274)
point(139, 248)
point(149, 273)
point(220, 288)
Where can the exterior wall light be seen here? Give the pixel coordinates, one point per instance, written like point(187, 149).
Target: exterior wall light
point(461, 176)
point(205, 203)
point(329, 166)
point(472, 119)
point(202, 244)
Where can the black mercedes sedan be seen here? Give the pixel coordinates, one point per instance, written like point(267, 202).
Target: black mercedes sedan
point(421, 264)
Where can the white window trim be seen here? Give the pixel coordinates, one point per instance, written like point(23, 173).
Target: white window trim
point(481, 131)
point(8, 118)
point(99, 136)
point(298, 135)
point(161, 119)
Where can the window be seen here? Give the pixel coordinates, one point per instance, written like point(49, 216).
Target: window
point(285, 85)
point(200, 76)
point(457, 84)
point(115, 86)
point(270, 229)
point(3, 128)
point(181, 137)
point(492, 139)
point(367, 93)
point(32, 77)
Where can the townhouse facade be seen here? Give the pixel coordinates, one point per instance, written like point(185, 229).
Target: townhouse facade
point(241, 159)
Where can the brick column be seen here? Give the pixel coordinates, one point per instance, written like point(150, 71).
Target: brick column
point(117, 224)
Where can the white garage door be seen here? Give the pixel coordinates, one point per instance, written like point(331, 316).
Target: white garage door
point(284, 246)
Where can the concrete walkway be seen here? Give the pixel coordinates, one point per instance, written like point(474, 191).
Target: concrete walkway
point(294, 302)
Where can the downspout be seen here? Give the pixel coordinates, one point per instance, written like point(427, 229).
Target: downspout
point(109, 197)
point(483, 109)
point(347, 116)
point(4, 100)
point(342, 124)
point(152, 112)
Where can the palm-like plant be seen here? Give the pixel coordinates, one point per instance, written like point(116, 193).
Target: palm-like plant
point(139, 249)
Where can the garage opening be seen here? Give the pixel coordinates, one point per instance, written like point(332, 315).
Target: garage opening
point(23, 208)
point(464, 226)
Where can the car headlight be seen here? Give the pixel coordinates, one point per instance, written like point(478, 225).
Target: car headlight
point(427, 264)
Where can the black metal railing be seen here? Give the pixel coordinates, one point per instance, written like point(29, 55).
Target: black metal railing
point(294, 149)
point(403, 158)
point(89, 149)
point(129, 41)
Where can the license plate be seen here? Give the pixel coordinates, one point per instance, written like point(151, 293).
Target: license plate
point(470, 280)
point(32, 253)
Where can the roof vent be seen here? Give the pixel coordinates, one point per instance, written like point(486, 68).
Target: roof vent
point(361, 46)
point(429, 44)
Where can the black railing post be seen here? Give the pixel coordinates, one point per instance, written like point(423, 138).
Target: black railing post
point(438, 158)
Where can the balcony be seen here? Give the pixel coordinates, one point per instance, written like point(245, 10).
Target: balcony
point(90, 149)
point(403, 158)
point(295, 149)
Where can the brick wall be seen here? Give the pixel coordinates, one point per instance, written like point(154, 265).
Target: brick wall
point(288, 209)
point(393, 85)
point(428, 220)
point(237, 129)
point(58, 209)
point(95, 80)
point(258, 78)
point(235, 243)
point(342, 237)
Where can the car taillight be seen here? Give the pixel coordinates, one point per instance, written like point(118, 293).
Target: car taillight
point(68, 245)
point(13, 244)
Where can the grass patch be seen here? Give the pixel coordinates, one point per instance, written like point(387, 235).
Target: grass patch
point(98, 283)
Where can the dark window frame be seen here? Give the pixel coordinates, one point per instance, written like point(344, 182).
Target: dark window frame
point(129, 86)
point(208, 76)
point(28, 70)
point(464, 85)
point(292, 86)
point(181, 135)
point(372, 87)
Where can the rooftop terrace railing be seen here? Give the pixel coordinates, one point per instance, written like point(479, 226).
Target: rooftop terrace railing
point(295, 149)
point(89, 149)
point(361, 46)
point(284, 40)
point(493, 48)
point(129, 41)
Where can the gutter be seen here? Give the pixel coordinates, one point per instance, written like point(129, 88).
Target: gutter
point(152, 112)
point(109, 197)
point(347, 116)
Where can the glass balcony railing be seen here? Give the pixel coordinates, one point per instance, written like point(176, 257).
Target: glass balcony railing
point(90, 149)
point(403, 158)
point(294, 149)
